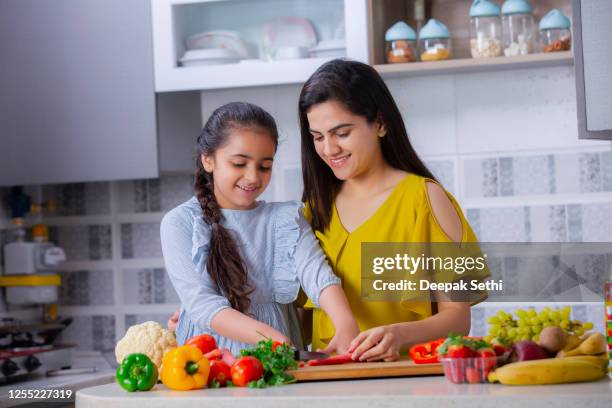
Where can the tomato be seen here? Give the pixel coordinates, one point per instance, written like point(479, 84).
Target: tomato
point(246, 369)
point(276, 344)
point(472, 375)
point(205, 342)
point(219, 371)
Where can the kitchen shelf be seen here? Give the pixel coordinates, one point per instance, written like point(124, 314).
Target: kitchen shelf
point(469, 65)
point(176, 20)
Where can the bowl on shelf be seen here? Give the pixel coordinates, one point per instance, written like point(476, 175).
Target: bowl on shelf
point(209, 56)
point(229, 40)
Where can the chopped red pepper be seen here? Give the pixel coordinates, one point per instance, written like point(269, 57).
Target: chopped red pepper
point(425, 353)
point(337, 359)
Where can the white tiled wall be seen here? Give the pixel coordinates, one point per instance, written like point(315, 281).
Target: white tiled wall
point(504, 143)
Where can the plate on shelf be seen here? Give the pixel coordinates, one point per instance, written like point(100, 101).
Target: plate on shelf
point(209, 56)
point(292, 35)
point(229, 40)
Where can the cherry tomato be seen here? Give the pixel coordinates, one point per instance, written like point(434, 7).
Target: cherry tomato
point(205, 342)
point(246, 369)
point(219, 371)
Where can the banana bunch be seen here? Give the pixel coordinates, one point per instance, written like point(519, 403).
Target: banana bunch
point(551, 371)
point(591, 344)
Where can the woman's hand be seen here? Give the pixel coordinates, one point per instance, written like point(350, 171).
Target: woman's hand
point(379, 343)
point(173, 321)
point(341, 342)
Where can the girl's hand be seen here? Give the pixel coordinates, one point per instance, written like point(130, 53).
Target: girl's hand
point(341, 342)
point(379, 343)
point(173, 321)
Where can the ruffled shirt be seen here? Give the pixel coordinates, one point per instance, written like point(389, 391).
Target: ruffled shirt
point(278, 248)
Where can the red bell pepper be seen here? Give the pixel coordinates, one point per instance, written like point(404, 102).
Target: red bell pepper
point(425, 353)
point(337, 359)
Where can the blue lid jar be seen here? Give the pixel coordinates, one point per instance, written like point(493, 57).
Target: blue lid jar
point(400, 31)
point(516, 7)
point(554, 19)
point(433, 29)
point(484, 8)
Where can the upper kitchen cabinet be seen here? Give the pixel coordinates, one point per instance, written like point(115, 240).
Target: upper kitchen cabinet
point(593, 59)
point(208, 44)
point(77, 99)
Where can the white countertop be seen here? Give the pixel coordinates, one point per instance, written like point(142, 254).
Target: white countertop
point(426, 392)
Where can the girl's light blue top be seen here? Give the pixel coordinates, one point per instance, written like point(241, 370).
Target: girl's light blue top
point(280, 252)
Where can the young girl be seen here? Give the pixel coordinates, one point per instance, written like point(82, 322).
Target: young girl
point(236, 262)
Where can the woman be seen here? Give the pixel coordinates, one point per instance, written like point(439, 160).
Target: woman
point(363, 182)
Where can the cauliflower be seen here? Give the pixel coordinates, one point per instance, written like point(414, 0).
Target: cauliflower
point(149, 338)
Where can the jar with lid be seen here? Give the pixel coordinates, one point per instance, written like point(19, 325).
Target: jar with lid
point(555, 34)
point(518, 28)
point(485, 29)
point(400, 43)
point(434, 41)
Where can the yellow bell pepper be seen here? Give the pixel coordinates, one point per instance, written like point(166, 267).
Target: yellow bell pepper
point(185, 368)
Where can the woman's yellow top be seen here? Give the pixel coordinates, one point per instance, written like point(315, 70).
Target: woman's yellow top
point(405, 216)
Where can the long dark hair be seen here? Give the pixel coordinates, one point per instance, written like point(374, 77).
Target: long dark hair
point(225, 264)
point(361, 89)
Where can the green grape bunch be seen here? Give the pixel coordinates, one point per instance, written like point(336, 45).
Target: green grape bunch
point(528, 324)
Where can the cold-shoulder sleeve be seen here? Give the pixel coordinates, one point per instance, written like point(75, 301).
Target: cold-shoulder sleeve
point(428, 229)
point(185, 240)
point(298, 255)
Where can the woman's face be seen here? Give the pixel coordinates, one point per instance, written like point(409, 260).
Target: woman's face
point(346, 142)
point(241, 168)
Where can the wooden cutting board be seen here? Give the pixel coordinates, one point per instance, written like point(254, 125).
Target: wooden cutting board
point(402, 368)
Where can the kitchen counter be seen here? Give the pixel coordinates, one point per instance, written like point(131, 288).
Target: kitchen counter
point(417, 392)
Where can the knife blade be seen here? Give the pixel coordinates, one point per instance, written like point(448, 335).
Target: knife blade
point(304, 355)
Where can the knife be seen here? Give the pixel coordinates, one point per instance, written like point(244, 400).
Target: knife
point(304, 355)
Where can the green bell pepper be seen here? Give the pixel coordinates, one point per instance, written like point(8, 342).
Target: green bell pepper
point(137, 373)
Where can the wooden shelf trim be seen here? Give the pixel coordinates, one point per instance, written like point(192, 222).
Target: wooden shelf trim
point(468, 65)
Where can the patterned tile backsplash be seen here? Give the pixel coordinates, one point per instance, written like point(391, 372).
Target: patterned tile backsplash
point(78, 198)
point(148, 286)
point(564, 173)
point(84, 243)
point(140, 240)
point(87, 288)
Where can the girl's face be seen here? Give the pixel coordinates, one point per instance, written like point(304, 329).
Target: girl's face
point(241, 168)
point(346, 142)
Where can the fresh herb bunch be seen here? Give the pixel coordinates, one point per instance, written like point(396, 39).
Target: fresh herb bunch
point(276, 360)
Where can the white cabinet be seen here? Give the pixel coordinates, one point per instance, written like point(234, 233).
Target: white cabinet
point(77, 101)
point(593, 55)
point(266, 40)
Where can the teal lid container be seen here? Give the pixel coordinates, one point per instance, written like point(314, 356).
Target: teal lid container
point(400, 31)
point(516, 7)
point(554, 19)
point(484, 8)
point(433, 29)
